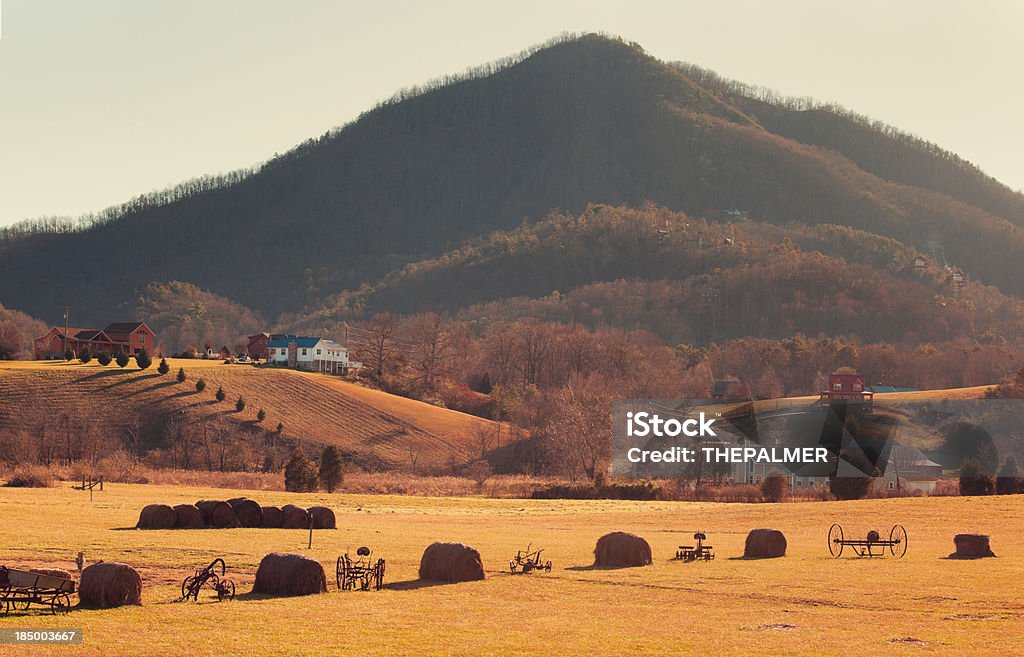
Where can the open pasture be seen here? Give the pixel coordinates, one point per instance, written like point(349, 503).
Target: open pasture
point(803, 604)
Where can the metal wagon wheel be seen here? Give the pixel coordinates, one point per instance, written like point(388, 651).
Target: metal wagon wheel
point(186, 587)
point(226, 590)
point(512, 566)
point(379, 574)
point(340, 572)
point(547, 566)
point(898, 541)
point(60, 604)
point(835, 541)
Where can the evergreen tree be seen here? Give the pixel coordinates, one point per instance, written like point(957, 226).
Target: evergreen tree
point(300, 474)
point(104, 358)
point(221, 395)
point(1010, 479)
point(974, 480)
point(181, 375)
point(331, 471)
point(122, 359)
point(261, 415)
point(775, 487)
point(163, 368)
point(84, 356)
point(850, 488)
point(200, 385)
point(69, 355)
point(240, 404)
point(143, 360)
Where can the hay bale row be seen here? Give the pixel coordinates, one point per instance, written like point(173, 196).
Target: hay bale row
point(188, 516)
point(110, 584)
point(622, 550)
point(217, 514)
point(289, 574)
point(249, 513)
point(451, 562)
point(322, 517)
point(273, 517)
point(295, 517)
point(236, 512)
point(156, 516)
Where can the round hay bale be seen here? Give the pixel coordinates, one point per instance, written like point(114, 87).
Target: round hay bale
point(972, 546)
point(273, 517)
point(188, 516)
point(289, 574)
point(52, 572)
point(110, 584)
point(295, 517)
point(764, 544)
point(451, 562)
point(621, 550)
point(156, 516)
point(249, 513)
point(323, 518)
point(217, 514)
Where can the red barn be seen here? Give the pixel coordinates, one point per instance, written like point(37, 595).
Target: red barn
point(846, 386)
point(257, 347)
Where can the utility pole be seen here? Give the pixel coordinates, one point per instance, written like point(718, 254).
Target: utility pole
point(66, 309)
point(346, 335)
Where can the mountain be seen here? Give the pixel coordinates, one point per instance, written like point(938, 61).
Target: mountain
point(690, 281)
point(579, 121)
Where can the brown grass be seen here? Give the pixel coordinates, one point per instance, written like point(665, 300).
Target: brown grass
point(621, 550)
point(451, 562)
point(289, 574)
point(110, 584)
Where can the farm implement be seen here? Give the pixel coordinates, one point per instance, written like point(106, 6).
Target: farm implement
point(20, 589)
point(359, 573)
point(871, 546)
point(698, 552)
point(528, 560)
point(224, 588)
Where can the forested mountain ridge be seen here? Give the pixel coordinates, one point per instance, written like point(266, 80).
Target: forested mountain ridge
point(579, 121)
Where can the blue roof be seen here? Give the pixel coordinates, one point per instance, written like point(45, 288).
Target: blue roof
point(301, 343)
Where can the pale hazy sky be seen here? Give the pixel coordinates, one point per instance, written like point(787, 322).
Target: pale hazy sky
point(101, 100)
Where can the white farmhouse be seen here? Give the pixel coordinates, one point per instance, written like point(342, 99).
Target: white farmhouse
point(312, 354)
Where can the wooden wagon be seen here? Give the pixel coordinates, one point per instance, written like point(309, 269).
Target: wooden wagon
point(20, 589)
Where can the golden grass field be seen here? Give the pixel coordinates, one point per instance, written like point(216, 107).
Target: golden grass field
point(313, 407)
point(803, 604)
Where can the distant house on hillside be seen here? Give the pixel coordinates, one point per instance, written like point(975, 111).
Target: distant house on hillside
point(312, 354)
point(258, 343)
point(119, 337)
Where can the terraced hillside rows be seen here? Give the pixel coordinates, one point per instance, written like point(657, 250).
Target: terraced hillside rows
point(370, 426)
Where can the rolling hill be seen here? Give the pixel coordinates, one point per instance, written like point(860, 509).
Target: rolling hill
point(578, 121)
point(373, 429)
